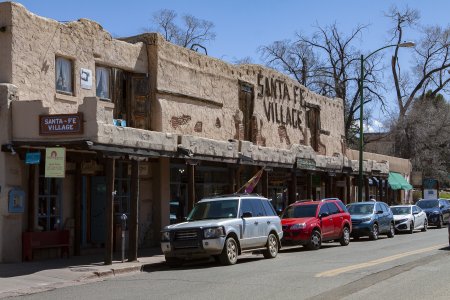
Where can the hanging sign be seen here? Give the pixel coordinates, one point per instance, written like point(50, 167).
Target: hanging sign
point(33, 158)
point(61, 124)
point(55, 162)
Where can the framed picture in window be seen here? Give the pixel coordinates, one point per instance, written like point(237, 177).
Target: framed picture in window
point(63, 75)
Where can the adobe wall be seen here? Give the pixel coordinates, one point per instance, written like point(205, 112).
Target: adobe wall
point(36, 43)
point(5, 42)
point(199, 95)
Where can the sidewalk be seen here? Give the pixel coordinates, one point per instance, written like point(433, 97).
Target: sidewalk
point(37, 276)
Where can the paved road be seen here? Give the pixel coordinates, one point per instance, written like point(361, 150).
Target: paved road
point(415, 266)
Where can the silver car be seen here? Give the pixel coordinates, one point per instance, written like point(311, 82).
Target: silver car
point(224, 227)
point(409, 218)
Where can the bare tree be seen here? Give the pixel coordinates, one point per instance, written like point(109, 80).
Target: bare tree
point(424, 136)
point(329, 64)
point(193, 33)
point(431, 65)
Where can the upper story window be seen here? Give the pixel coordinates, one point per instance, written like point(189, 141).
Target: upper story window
point(102, 82)
point(63, 76)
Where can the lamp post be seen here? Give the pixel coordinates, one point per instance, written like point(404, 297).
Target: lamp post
point(361, 111)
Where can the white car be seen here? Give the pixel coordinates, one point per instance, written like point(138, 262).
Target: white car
point(409, 218)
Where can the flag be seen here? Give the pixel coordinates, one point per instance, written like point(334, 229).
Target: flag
point(250, 185)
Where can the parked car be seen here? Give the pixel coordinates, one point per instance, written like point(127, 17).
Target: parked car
point(371, 219)
point(409, 218)
point(309, 223)
point(448, 226)
point(437, 210)
point(224, 227)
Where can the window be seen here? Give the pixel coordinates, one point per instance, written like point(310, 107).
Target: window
point(246, 206)
point(102, 82)
point(49, 203)
point(270, 211)
point(63, 76)
point(333, 208)
point(324, 209)
point(122, 187)
point(258, 208)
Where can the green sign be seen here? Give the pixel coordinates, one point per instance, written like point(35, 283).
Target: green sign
point(306, 164)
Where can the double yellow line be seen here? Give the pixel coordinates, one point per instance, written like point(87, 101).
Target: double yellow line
point(371, 263)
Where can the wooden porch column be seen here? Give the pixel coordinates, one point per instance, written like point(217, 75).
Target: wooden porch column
point(308, 185)
point(380, 188)
point(292, 190)
point(31, 193)
point(110, 175)
point(366, 188)
point(386, 191)
point(191, 186)
point(348, 189)
point(134, 216)
point(231, 180)
point(328, 186)
point(265, 183)
point(77, 211)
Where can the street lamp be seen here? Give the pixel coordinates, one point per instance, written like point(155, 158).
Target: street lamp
point(361, 111)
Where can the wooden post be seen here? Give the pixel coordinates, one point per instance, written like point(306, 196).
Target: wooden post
point(265, 184)
point(292, 189)
point(31, 193)
point(348, 189)
point(110, 176)
point(231, 180)
point(308, 185)
point(386, 183)
point(366, 188)
point(191, 186)
point(134, 216)
point(77, 211)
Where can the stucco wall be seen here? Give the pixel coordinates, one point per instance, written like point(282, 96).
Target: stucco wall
point(36, 43)
point(199, 95)
point(5, 42)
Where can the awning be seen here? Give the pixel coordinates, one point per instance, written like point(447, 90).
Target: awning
point(398, 182)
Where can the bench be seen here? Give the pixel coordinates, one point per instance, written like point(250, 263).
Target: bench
point(44, 239)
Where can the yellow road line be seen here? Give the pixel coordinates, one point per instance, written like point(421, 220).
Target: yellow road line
point(338, 271)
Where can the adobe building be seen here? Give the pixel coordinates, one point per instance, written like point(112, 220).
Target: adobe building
point(93, 128)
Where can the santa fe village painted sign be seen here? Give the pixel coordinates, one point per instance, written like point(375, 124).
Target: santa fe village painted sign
point(61, 124)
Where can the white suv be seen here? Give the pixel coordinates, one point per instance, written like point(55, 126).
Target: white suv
point(224, 227)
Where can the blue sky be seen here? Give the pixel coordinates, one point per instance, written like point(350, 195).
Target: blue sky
point(242, 26)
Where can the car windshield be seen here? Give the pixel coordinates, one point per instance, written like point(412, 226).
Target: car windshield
point(360, 209)
point(300, 211)
point(401, 210)
point(217, 209)
point(427, 203)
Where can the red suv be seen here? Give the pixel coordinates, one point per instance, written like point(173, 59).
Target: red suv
point(308, 223)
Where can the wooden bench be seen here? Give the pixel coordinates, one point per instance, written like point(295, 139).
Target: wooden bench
point(44, 239)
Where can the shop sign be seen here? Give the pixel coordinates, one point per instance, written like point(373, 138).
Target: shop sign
point(33, 158)
point(55, 162)
point(61, 124)
point(306, 164)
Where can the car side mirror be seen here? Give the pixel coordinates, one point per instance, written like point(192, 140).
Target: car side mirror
point(415, 213)
point(379, 212)
point(247, 214)
point(441, 206)
point(324, 214)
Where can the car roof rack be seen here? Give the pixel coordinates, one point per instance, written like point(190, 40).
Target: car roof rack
point(233, 195)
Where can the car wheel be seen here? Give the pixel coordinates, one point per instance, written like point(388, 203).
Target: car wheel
point(411, 228)
point(315, 241)
point(271, 247)
point(391, 232)
point(425, 226)
point(440, 222)
point(345, 238)
point(174, 262)
point(230, 252)
point(374, 232)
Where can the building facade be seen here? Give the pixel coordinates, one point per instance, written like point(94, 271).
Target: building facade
point(94, 128)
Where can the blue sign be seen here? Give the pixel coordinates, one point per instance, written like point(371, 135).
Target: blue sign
point(33, 158)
